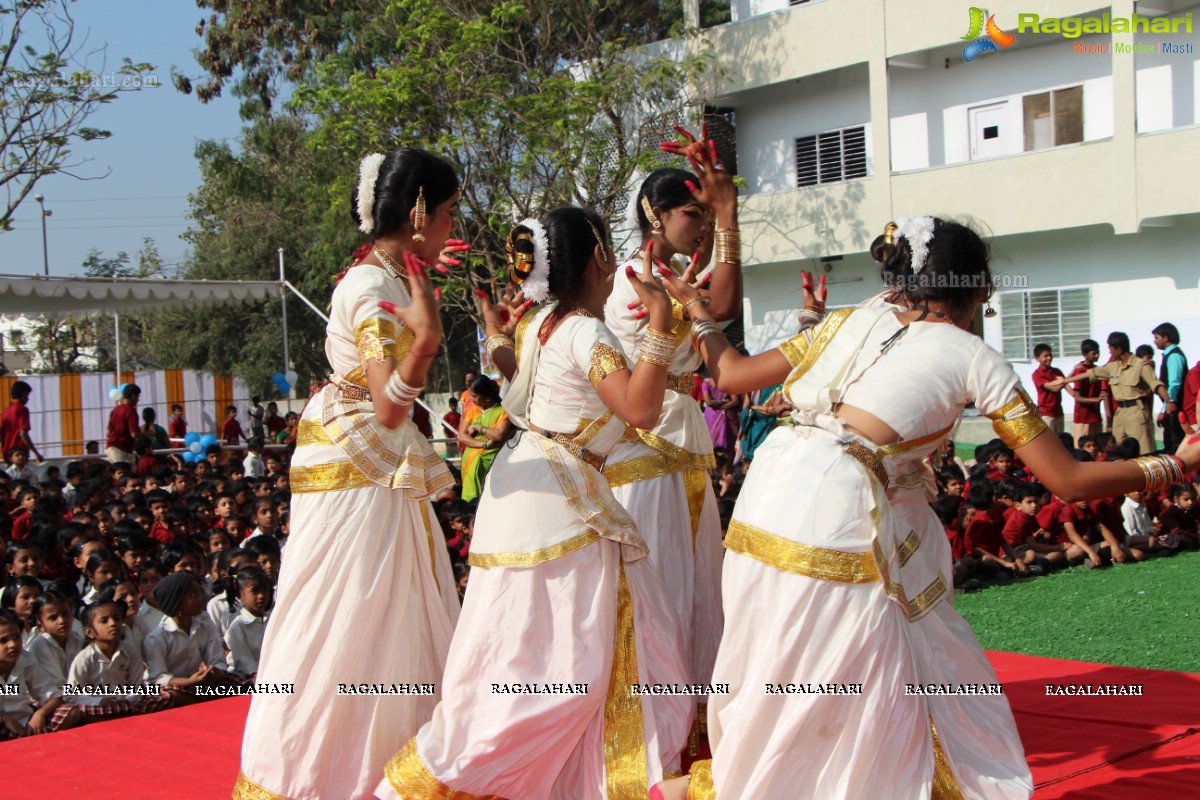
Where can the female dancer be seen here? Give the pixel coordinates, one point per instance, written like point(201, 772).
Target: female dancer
point(838, 571)
point(660, 474)
point(486, 428)
point(538, 698)
point(362, 554)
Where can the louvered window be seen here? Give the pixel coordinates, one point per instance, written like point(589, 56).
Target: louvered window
point(1061, 318)
point(831, 157)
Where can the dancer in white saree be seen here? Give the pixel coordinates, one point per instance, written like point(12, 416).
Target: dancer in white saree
point(364, 554)
point(661, 475)
point(836, 583)
point(563, 613)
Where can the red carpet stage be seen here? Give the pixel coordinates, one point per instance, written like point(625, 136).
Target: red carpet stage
point(1080, 748)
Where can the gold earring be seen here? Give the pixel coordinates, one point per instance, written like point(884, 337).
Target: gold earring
point(651, 217)
point(419, 216)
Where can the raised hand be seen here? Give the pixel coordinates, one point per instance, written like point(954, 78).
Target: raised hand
point(814, 299)
point(649, 291)
point(421, 316)
point(699, 259)
point(446, 257)
point(502, 318)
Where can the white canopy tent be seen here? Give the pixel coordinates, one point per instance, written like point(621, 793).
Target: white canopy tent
point(38, 295)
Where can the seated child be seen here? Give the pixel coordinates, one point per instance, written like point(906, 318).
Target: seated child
point(21, 714)
point(224, 607)
point(947, 510)
point(18, 597)
point(983, 535)
point(1178, 524)
point(1136, 516)
point(55, 646)
point(245, 635)
point(184, 651)
point(1021, 526)
point(107, 665)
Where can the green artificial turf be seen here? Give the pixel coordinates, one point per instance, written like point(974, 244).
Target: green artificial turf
point(1137, 615)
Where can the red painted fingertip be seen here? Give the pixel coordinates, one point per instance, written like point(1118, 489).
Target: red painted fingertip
point(632, 305)
point(437, 293)
point(650, 246)
point(712, 149)
point(691, 186)
point(665, 272)
point(629, 271)
point(1194, 439)
point(528, 303)
point(480, 293)
point(639, 315)
point(442, 270)
point(388, 307)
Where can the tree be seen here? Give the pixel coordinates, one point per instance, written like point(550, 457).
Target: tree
point(538, 104)
point(47, 92)
point(270, 191)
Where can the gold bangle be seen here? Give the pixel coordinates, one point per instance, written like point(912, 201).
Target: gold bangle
point(494, 342)
point(654, 359)
point(697, 299)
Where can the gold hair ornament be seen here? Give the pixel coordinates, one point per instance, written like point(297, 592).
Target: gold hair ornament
point(655, 222)
point(419, 216)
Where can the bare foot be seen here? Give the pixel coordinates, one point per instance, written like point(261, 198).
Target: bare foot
point(673, 789)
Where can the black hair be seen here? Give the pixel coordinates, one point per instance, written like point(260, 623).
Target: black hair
point(151, 564)
point(1003, 451)
point(75, 470)
point(130, 390)
point(262, 546)
point(950, 473)
point(96, 559)
point(86, 613)
point(8, 597)
point(1089, 346)
point(664, 189)
point(1167, 331)
point(1178, 489)
point(1019, 490)
point(483, 385)
point(212, 449)
point(956, 270)
point(20, 388)
point(981, 495)
point(1128, 449)
point(158, 496)
point(1119, 339)
point(178, 514)
point(1082, 456)
point(174, 552)
point(1010, 488)
point(24, 492)
point(571, 242)
point(1041, 348)
point(46, 598)
point(1068, 441)
point(402, 175)
point(1088, 439)
point(1144, 351)
point(946, 509)
point(248, 575)
point(10, 618)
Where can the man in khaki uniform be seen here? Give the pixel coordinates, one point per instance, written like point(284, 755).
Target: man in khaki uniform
point(1129, 380)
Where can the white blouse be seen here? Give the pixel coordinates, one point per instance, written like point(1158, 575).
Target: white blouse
point(244, 639)
point(580, 353)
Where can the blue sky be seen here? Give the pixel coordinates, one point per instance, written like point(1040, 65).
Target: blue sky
point(150, 153)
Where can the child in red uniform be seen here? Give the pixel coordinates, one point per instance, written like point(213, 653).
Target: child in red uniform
point(1178, 525)
point(1049, 401)
point(983, 535)
point(965, 568)
point(159, 501)
point(22, 517)
point(1021, 526)
point(1090, 396)
point(231, 429)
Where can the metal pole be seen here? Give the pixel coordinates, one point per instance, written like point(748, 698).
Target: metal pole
point(45, 245)
point(283, 305)
point(117, 336)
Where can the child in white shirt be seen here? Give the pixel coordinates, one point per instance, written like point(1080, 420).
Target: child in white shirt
point(245, 635)
point(1136, 516)
point(107, 673)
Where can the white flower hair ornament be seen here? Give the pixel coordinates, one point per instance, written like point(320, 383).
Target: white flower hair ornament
point(536, 284)
point(631, 210)
point(918, 232)
point(368, 175)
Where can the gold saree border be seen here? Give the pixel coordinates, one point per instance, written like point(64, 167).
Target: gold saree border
point(409, 777)
point(783, 554)
point(642, 468)
point(311, 433)
point(246, 789)
point(493, 560)
point(605, 360)
point(701, 787)
point(684, 458)
point(624, 737)
point(326, 478)
point(945, 785)
point(695, 484)
point(429, 535)
point(833, 323)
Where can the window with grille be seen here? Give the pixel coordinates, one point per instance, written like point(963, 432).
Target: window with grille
point(1061, 318)
point(1053, 118)
point(831, 157)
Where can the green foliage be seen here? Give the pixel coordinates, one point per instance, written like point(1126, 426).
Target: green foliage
point(538, 104)
point(47, 92)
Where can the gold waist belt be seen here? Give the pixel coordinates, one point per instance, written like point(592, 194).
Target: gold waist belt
point(682, 383)
point(593, 460)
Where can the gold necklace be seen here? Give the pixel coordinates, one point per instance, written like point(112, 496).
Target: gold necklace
point(583, 312)
point(392, 265)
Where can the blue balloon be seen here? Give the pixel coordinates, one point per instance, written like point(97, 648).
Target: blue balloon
point(191, 436)
point(284, 387)
point(189, 458)
point(208, 440)
point(122, 387)
point(278, 377)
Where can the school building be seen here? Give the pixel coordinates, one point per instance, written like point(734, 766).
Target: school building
point(1080, 155)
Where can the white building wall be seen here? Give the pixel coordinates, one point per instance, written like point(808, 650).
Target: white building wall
point(770, 119)
point(745, 9)
point(1167, 86)
point(930, 107)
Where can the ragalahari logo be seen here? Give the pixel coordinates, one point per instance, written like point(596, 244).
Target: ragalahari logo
point(986, 37)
